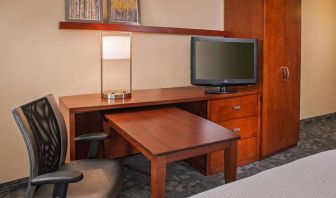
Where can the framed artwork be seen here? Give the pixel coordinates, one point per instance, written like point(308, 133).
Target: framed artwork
point(124, 11)
point(88, 11)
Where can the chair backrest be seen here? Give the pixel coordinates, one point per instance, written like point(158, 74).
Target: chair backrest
point(43, 129)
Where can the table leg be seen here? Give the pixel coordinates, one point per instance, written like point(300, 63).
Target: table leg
point(158, 177)
point(230, 162)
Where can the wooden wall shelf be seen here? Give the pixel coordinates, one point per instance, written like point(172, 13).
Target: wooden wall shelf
point(140, 28)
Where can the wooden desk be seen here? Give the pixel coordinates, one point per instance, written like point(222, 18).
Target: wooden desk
point(168, 134)
point(85, 113)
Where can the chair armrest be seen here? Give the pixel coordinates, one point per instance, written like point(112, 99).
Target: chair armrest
point(58, 177)
point(92, 137)
point(95, 139)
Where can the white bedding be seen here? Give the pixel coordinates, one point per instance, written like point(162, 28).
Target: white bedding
point(313, 176)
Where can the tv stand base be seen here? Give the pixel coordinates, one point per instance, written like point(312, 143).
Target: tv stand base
point(220, 90)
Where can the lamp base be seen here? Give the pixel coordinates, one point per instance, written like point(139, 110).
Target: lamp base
point(116, 94)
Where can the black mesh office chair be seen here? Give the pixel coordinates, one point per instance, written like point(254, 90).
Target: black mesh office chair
point(43, 128)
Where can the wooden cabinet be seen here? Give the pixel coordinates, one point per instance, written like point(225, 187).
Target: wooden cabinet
point(277, 26)
point(281, 75)
point(240, 114)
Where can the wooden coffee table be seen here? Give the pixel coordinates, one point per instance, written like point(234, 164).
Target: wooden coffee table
point(168, 134)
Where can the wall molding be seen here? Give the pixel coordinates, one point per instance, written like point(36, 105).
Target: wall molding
point(13, 185)
point(313, 120)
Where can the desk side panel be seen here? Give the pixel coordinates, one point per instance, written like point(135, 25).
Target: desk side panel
point(69, 119)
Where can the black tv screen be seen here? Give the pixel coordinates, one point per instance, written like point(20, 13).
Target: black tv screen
point(219, 61)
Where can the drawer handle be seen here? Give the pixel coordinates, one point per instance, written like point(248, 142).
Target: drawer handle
point(236, 107)
point(236, 130)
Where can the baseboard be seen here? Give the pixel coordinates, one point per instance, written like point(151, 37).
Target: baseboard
point(276, 152)
point(20, 183)
point(317, 119)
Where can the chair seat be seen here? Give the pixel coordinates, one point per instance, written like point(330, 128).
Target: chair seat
point(102, 178)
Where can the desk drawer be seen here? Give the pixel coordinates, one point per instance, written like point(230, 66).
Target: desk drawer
point(245, 127)
point(247, 152)
point(226, 109)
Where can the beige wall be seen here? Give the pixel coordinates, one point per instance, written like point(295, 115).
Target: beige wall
point(318, 84)
point(36, 58)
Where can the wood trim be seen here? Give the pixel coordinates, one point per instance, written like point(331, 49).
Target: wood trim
point(140, 28)
point(149, 97)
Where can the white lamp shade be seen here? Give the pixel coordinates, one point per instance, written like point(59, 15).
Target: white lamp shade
point(116, 47)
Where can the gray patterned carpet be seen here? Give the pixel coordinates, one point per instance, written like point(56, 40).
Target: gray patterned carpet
point(183, 181)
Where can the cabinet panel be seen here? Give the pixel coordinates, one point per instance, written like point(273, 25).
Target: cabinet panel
point(293, 62)
point(247, 152)
point(226, 109)
point(246, 127)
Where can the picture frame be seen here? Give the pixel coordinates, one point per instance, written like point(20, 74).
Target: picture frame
point(124, 11)
point(86, 11)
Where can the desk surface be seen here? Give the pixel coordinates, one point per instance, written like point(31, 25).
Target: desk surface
point(94, 102)
point(168, 129)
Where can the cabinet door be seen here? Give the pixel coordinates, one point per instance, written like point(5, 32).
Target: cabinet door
point(293, 62)
point(281, 85)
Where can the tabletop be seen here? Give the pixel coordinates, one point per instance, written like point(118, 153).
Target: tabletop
point(163, 130)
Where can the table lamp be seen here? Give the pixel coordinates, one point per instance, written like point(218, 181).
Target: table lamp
point(116, 54)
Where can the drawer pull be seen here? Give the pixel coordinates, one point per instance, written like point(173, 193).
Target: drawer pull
point(236, 107)
point(236, 130)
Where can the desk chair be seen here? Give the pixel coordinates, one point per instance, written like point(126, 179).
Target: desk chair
point(43, 129)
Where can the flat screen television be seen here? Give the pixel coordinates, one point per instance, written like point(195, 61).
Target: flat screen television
point(222, 62)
